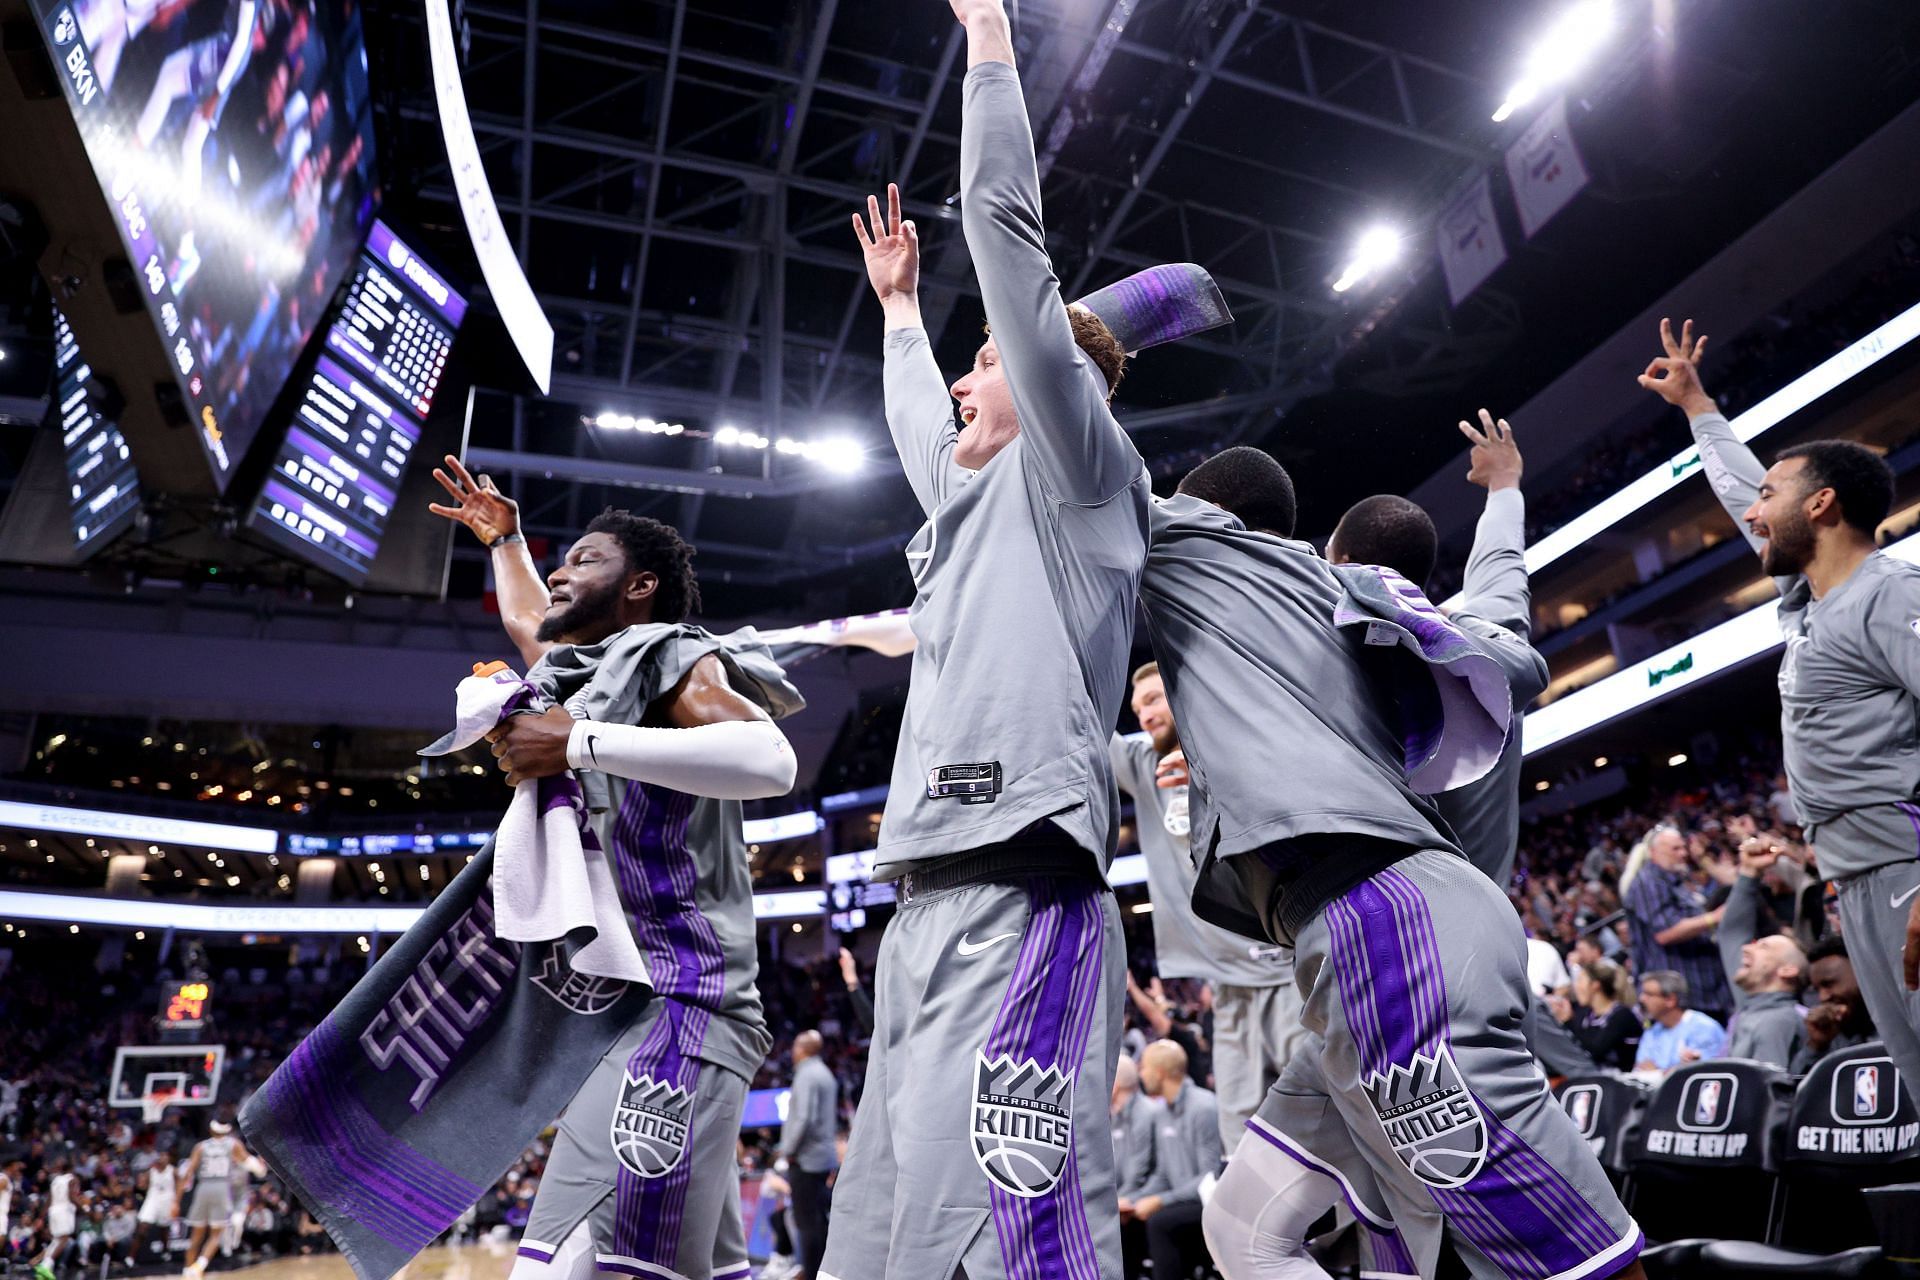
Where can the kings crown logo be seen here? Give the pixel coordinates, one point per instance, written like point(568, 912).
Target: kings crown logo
point(650, 1122)
point(1435, 1125)
point(1022, 1124)
point(577, 991)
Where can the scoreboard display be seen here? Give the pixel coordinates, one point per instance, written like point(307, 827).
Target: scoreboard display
point(185, 1006)
point(338, 474)
point(103, 492)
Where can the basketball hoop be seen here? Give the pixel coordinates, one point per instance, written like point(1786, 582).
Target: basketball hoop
point(154, 1105)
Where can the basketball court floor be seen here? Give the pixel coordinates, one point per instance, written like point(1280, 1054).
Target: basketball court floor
point(483, 1261)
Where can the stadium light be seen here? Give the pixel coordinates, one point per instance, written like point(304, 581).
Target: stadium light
point(608, 420)
point(1562, 51)
point(1377, 249)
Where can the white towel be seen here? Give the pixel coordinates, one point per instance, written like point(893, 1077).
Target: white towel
point(551, 878)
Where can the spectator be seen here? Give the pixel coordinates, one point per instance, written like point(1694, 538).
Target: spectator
point(1187, 1150)
point(1601, 1018)
point(806, 1142)
point(1546, 971)
point(1134, 1132)
point(856, 994)
point(1675, 1034)
point(1672, 927)
point(1840, 1020)
point(1766, 972)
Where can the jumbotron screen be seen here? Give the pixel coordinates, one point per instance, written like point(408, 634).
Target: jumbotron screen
point(103, 492)
point(234, 139)
point(338, 474)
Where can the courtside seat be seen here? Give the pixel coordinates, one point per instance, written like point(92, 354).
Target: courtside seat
point(1606, 1107)
point(1706, 1155)
point(1745, 1258)
point(1852, 1126)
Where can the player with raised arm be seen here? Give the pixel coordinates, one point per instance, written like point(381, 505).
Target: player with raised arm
point(669, 727)
point(1270, 660)
point(1849, 680)
point(979, 1144)
point(1297, 1158)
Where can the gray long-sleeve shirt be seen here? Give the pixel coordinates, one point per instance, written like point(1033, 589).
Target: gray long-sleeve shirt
point(1134, 1155)
point(1026, 571)
point(1768, 1026)
point(1495, 612)
point(1184, 945)
point(1849, 686)
point(1287, 731)
point(813, 1118)
point(1187, 1147)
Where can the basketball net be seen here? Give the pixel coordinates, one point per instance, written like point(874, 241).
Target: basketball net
point(154, 1105)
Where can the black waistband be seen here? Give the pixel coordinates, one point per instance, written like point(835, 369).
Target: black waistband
point(1040, 850)
point(1290, 882)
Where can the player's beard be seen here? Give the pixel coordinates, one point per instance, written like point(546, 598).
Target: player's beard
point(1789, 546)
point(1167, 740)
point(583, 613)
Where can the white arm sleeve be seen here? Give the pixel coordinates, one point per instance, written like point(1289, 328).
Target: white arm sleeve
point(732, 760)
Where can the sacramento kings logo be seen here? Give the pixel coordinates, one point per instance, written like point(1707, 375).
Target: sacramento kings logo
point(650, 1123)
point(1022, 1124)
point(577, 991)
point(1435, 1125)
point(65, 28)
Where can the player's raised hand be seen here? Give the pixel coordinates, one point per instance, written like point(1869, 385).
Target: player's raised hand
point(1675, 376)
point(1495, 462)
point(490, 513)
point(891, 247)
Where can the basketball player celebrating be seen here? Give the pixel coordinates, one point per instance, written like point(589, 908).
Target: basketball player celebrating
point(1000, 977)
point(209, 1171)
point(1293, 1166)
point(1849, 681)
point(1256, 1011)
point(642, 1179)
point(1423, 1062)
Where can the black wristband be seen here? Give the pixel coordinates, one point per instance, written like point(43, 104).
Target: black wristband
point(505, 538)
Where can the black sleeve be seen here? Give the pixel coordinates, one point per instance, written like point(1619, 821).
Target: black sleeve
point(862, 1009)
point(1611, 1043)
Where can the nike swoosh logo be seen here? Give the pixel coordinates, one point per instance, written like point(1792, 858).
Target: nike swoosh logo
point(591, 753)
point(975, 948)
point(1901, 901)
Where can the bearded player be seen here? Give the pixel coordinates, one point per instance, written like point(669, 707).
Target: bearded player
point(642, 1180)
point(1849, 681)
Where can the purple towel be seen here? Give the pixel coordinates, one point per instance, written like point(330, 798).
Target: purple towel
point(1159, 305)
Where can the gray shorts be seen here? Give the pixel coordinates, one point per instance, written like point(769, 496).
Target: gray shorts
point(1873, 916)
point(981, 1139)
point(1424, 1066)
point(646, 1157)
point(1256, 1032)
point(212, 1202)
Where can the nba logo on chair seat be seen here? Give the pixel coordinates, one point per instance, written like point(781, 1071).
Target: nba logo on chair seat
point(1706, 1104)
point(1435, 1125)
point(1022, 1124)
point(650, 1125)
point(1582, 1102)
point(1866, 1092)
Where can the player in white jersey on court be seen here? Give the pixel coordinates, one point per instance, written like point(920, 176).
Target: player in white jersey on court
point(162, 1203)
point(60, 1218)
point(1849, 680)
point(209, 1171)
